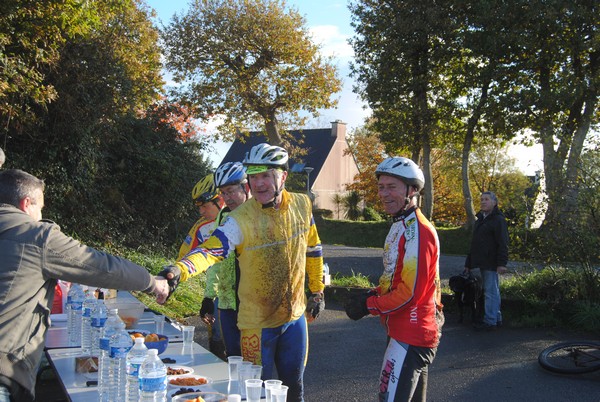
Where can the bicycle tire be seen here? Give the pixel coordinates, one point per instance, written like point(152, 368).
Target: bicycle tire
point(571, 357)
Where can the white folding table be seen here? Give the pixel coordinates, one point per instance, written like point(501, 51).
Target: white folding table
point(76, 385)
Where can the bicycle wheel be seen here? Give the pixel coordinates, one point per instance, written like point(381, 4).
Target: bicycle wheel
point(571, 357)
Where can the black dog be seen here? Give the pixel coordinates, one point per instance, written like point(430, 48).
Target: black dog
point(468, 291)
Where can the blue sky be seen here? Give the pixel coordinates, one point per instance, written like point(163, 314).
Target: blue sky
point(329, 22)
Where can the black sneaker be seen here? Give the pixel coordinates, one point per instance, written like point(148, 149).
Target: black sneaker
point(499, 324)
point(484, 327)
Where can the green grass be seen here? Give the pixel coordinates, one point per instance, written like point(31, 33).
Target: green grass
point(372, 234)
point(185, 302)
point(356, 280)
point(555, 296)
point(455, 241)
point(354, 234)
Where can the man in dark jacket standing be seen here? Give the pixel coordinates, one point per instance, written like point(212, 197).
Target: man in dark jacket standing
point(489, 253)
point(34, 254)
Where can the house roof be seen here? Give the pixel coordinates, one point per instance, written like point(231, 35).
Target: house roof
point(317, 142)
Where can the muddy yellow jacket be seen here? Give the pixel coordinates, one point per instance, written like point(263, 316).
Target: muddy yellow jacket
point(276, 249)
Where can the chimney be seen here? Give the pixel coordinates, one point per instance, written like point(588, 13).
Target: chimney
point(338, 130)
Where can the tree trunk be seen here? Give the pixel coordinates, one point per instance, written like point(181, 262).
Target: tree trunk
point(466, 188)
point(469, 135)
point(272, 128)
point(574, 161)
point(428, 202)
point(553, 172)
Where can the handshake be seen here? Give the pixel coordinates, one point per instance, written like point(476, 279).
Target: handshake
point(165, 283)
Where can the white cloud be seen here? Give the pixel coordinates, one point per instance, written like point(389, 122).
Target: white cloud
point(333, 42)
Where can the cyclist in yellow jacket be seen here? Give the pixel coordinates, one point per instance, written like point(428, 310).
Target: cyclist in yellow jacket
point(277, 244)
point(209, 202)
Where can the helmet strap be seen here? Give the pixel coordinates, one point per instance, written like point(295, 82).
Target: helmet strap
point(277, 192)
point(246, 190)
point(407, 199)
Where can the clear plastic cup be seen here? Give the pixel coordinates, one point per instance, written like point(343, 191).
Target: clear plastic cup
point(244, 373)
point(256, 371)
point(253, 390)
point(279, 394)
point(234, 363)
point(188, 334)
point(159, 320)
point(269, 384)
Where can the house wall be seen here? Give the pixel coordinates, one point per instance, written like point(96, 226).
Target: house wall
point(337, 171)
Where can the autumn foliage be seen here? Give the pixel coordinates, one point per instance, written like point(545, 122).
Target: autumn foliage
point(174, 115)
point(368, 152)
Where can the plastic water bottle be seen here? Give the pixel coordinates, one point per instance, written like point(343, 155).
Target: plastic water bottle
point(86, 321)
point(105, 379)
point(98, 319)
point(120, 344)
point(153, 378)
point(135, 358)
point(75, 299)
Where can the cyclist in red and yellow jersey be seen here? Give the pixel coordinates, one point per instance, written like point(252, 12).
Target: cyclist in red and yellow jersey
point(277, 244)
point(408, 298)
point(206, 197)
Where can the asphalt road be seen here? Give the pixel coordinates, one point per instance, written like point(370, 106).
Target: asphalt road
point(345, 356)
point(345, 359)
point(348, 260)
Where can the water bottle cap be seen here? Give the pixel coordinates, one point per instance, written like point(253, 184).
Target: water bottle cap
point(152, 352)
point(139, 340)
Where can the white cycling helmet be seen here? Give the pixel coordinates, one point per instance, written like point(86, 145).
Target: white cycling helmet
point(263, 157)
point(230, 173)
point(404, 169)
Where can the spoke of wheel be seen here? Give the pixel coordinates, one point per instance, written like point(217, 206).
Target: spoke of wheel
point(577, 356)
